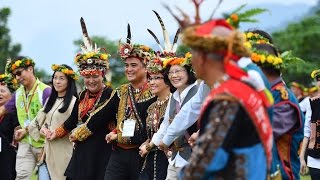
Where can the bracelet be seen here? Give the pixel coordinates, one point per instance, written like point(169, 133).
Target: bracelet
point(149, 147)
point(61, 132)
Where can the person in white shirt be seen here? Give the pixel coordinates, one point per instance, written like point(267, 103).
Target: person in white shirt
point(311, 142)
point(181, 76)
point(190, 112)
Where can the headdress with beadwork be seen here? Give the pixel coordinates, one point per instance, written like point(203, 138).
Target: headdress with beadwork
point(15, 64)
point(68, 72)
point(91, 61)
point(128, 49)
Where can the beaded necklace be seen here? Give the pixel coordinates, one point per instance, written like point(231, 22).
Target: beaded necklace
point(157, 113)
point(88, 107)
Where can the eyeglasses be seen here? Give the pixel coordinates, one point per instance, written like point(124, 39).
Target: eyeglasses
point(154, 78)
point(177, 72)
point(18, 73)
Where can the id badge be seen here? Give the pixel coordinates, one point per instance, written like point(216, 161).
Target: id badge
point(128, 128)
point(27, 122)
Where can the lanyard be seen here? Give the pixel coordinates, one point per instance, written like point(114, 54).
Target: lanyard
point(129, 111)
point(26, 106)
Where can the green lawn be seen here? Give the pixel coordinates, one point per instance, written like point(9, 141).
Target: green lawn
point(305, 177)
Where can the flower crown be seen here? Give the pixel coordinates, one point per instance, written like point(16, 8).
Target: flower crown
point(313, 89)
point(254, 38)
point(266, 60)
point(9, 81)
point(13, 65)
point(297, 85)
point(68, 72)
point(315, 73)
point(182, 61)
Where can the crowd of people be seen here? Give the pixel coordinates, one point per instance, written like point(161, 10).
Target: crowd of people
point(221, 111)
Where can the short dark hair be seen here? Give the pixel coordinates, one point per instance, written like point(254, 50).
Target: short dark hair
point(71, 91)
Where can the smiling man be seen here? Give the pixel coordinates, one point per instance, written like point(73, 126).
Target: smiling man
point(135, 98)
point(27, 101)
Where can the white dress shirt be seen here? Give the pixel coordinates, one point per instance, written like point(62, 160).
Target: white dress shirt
point(178, 161)
point(187, 115)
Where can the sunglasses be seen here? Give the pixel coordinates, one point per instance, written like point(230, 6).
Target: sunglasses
point(18, 73)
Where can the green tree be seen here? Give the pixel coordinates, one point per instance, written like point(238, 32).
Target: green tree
point(43, 75)
point(303, 39)
point(7, 49)
point(182, 49)
point(116, 63)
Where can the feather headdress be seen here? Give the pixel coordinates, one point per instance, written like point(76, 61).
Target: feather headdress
point(91, 61)
point(139, 51)
point(168, 48)
point(87, 45)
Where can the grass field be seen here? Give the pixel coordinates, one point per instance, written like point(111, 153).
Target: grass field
point(305, 177)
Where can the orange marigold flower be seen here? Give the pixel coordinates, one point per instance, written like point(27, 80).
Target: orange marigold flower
point(13, 67)
point(255, 57)
point(234, 17)
point(14, 81)
point(28, 62)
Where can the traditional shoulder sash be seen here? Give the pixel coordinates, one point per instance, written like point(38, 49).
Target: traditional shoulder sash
point(253, 105)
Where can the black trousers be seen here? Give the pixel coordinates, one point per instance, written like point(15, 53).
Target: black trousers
point(124, 164)
point(314, 173)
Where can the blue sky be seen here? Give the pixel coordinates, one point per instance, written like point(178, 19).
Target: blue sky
point(47, 29)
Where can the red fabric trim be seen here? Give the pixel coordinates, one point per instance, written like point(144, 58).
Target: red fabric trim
point(206, 28)
point(289, 159)
point(253, 105)
point(234, 71)
point(290, 133)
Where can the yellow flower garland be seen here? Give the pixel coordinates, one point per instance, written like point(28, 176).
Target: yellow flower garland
point(25, 62)
point(265, 59)
point(65, 70)
point(182, 61)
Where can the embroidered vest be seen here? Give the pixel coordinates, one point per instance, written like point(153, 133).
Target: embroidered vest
point(314, 144)
point(140, 134)
point(253, 105)
point(27, 108)
point(289, 142)
point(181, 144)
